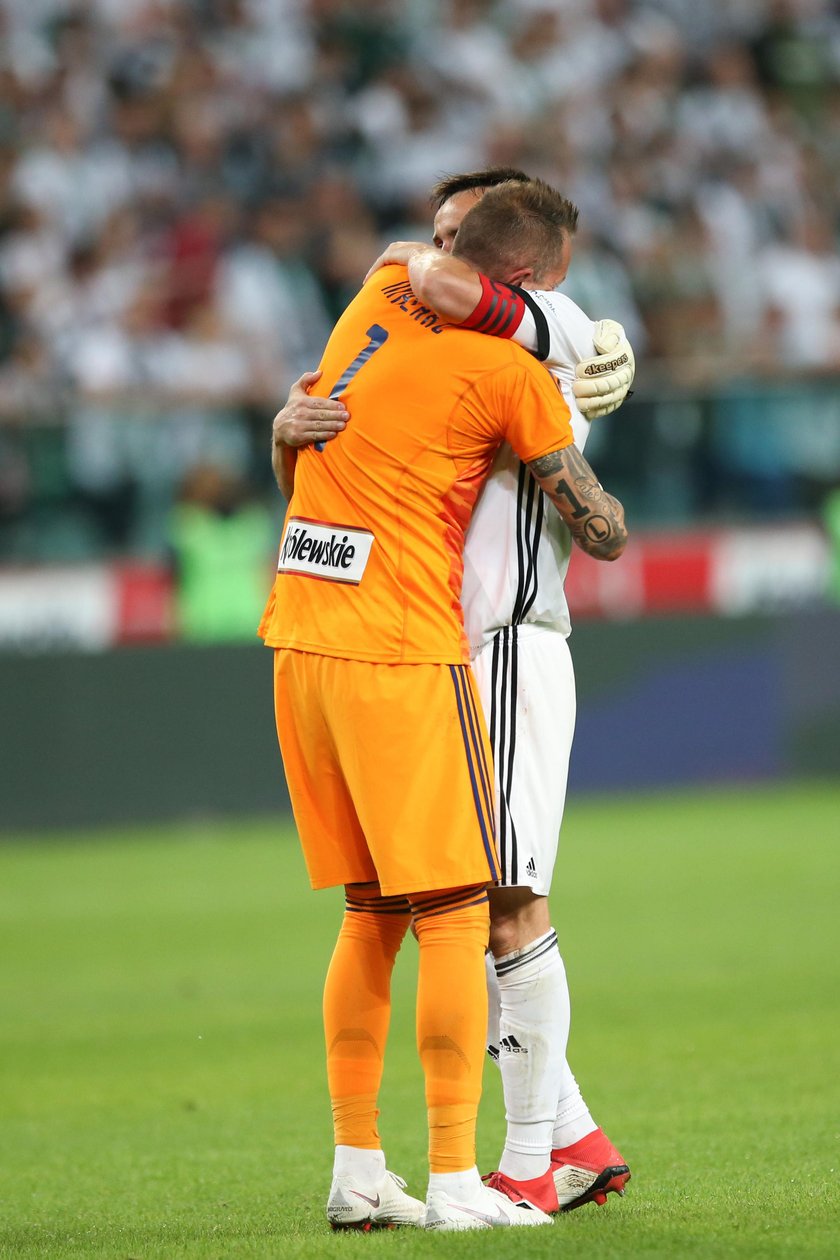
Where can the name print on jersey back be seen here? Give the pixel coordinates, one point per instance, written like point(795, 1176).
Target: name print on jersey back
point(402, 296)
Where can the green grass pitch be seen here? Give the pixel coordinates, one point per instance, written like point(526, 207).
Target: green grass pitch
point(162, 1091)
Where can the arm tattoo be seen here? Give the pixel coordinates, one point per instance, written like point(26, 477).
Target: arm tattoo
point(595, 519)
point(586, 489)
point(580, 509)
point(547, 464)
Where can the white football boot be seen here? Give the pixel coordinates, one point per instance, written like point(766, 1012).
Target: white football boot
point(477, 1206)
point(366, 1203)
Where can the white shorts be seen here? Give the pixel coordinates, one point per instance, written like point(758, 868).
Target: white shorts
point(527, 687)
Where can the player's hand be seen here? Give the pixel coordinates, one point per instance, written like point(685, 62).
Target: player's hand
point(602, 382)
point(306, 419)
point(398, 253)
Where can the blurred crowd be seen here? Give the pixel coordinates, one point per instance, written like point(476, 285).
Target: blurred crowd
point(191, 190)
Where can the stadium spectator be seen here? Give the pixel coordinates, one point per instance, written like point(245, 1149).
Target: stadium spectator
point(831, 523)
point(221, 544)
point(270, 293)
point(801, 282)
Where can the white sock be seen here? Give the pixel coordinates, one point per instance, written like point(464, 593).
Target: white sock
point(573, 1120)
point(533, 1031)
point(357, 1161)
point(458, 1185)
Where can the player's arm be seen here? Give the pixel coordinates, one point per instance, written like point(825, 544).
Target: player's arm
point(594, 517)
point(283, 462)
point(447, 285)
point(460, 294)
point(304, 419)
point(532, 415)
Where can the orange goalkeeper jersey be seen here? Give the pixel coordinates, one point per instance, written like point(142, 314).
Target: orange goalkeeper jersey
point(371, 557)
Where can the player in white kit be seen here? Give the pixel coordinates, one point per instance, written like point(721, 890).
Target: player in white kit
point(516, 615)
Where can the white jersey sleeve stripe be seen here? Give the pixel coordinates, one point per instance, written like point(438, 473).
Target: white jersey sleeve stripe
point(541, 328)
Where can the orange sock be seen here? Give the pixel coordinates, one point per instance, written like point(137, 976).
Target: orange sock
point(452, 929)
point(357, 1009)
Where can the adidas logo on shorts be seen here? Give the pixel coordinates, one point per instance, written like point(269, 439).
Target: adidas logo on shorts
point(512, 1046)
point(531, 869)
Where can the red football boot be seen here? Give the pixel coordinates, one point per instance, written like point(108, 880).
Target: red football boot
point(538, 1192)
point(587, 1171)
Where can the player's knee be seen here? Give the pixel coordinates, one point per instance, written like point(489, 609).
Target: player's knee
point(505, 935)
point(517, 917)
point(467, 906)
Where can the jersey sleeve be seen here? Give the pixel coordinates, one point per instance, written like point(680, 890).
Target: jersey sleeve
point(532, 332)
point(537, 419)
point(556, 330)
point(518, 402)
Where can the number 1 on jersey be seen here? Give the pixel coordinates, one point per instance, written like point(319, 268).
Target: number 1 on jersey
point(378, 336)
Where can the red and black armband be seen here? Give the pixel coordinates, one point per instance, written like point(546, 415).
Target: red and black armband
point(499, 311)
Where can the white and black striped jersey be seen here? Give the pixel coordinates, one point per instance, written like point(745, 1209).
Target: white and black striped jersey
point(517, 547)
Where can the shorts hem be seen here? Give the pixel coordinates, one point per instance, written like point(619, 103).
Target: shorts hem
point(320, 885)
point(403, 890)
point(538, 891)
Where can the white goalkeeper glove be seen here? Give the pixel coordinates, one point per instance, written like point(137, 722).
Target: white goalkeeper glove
point(602, 382)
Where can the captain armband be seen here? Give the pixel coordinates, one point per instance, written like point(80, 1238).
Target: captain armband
point(499, 311)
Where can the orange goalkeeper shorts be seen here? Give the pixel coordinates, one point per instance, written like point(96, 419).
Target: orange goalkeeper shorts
point(389, 772)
